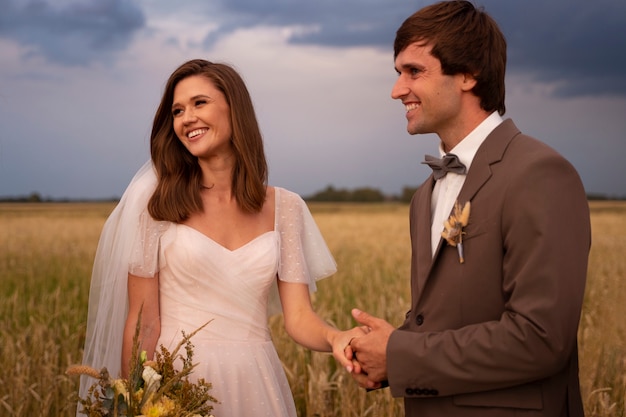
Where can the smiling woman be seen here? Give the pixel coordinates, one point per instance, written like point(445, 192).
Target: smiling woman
point(199, 236)
point(202, 121)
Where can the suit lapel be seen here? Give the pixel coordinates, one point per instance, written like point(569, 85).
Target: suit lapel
point(422, 262)
point(490, 152)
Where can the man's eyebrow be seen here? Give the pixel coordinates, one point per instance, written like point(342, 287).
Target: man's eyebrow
point(408, 66)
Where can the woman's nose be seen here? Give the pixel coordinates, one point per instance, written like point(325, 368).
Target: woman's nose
point(189, 116)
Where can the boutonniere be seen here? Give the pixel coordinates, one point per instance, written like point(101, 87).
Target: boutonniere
point(453, 227)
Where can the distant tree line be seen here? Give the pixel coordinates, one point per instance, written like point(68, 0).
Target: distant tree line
point(373, 195)
point(329, 194)
point(359, 195)
point(37, 198)
point(31, 198)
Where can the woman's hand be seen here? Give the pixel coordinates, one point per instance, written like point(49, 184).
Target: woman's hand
point(341, 347)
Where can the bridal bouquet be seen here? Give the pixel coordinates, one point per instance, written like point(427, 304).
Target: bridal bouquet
point(153, 389)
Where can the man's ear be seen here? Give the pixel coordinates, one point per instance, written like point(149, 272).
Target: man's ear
point(469, 82)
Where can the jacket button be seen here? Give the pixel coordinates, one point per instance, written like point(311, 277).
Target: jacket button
point(419, 319)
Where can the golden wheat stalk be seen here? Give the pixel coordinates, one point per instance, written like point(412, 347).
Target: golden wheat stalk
point(83, 370)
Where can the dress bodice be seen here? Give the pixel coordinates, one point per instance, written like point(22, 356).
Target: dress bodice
point(202, 280)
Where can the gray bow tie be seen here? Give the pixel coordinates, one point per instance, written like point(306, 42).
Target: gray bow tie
point(449, 163)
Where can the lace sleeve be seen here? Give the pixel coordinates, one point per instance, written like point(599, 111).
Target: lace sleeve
point(304, 255)
point(144, 258)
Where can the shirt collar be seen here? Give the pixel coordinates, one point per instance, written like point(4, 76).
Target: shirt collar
point(467, 148)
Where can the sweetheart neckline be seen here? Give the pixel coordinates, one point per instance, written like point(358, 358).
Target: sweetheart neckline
point(210, 239)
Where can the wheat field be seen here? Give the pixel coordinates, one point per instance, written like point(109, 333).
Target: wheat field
point(46, 251)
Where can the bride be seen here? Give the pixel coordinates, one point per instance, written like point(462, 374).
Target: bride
point(199, 236)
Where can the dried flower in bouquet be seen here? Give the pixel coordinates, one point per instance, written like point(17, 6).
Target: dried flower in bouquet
point(153, 388)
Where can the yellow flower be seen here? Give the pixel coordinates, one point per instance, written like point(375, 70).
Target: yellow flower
point(119, 387)
point(161, 408)
point(138, 395)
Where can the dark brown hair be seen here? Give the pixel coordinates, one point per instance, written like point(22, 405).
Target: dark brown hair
point(177, 194)
point(465, 40)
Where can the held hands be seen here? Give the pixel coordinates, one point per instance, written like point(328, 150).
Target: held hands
point(368, 351)
point(339, 343)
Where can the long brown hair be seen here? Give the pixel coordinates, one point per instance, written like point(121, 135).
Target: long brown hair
point(466, 40)
point(177, 194)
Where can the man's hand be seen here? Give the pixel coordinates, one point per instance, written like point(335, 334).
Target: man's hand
point(369, 351)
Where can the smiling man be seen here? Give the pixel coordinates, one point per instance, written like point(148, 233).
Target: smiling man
point(495, 306)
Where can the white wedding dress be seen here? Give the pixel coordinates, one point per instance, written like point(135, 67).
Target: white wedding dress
point(201, 281)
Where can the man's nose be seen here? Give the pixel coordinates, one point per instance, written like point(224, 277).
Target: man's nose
point(399, 89)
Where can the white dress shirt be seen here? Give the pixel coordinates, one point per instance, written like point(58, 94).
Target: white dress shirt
point(447, 188)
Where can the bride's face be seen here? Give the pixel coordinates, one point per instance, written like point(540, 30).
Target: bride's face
point(202, 117)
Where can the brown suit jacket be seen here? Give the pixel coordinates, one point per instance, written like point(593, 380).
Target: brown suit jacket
point(496, 335)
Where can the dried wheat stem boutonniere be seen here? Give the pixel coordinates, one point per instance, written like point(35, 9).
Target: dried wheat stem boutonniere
point(453, 227)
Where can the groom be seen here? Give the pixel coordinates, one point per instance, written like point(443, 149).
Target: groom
point(494, 307)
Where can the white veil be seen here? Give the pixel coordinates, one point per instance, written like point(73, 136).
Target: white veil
point(108, 298)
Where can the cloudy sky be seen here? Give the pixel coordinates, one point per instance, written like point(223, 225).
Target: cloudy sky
point(80, 81)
